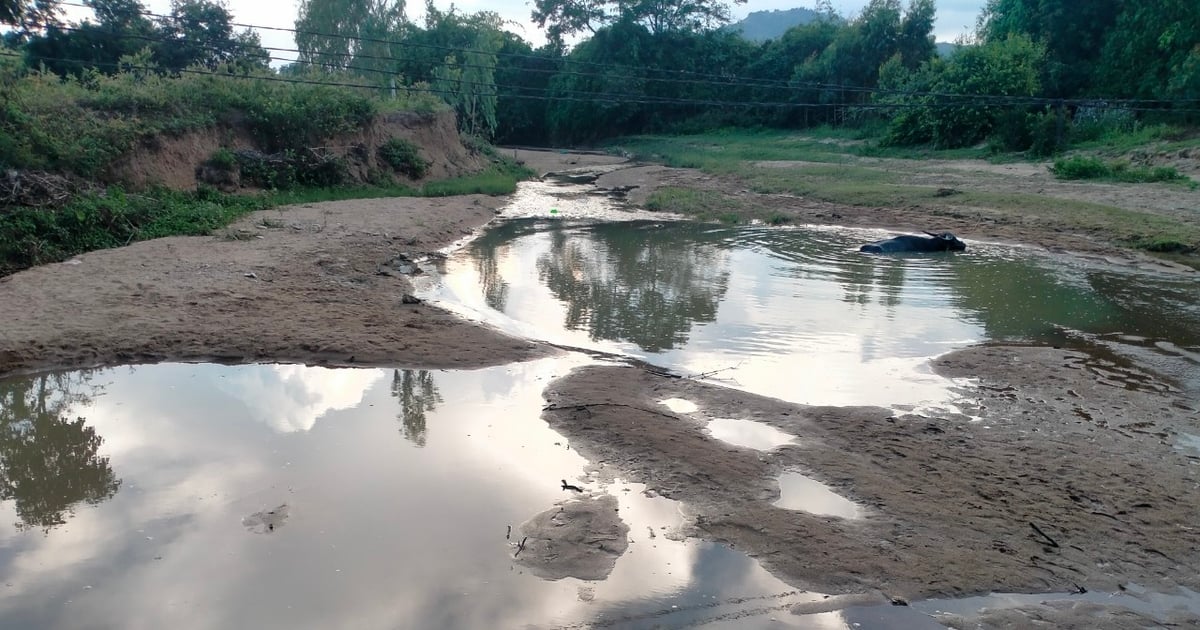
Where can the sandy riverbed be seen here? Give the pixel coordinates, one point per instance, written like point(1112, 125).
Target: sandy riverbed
point(1078, 448)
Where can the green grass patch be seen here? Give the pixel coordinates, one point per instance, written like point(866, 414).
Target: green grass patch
point(1081, 167)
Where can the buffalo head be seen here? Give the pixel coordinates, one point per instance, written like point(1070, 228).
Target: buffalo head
point(948, 241)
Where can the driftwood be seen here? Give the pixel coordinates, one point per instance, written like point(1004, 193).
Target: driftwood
point(38, 189)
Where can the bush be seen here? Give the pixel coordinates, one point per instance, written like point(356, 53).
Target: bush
point(405, 157)
point(1086, 167)
point(223, 159)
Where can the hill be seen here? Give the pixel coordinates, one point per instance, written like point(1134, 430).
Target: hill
point(760, 26)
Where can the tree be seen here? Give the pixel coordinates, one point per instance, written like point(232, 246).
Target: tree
point(121, 30)
point(342, 34)
point(1009, 67)
point(200, 32)
point(29, 15)
point(1153, 51)
point(562, 18)
point(1073, 33)
point(466, 78)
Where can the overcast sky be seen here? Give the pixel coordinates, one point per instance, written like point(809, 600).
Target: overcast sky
point(954, 17)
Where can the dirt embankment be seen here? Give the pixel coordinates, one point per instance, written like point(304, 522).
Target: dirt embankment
point(174, 161)
point(1067, 477)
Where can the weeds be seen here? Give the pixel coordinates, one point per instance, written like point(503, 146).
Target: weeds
point(405, 157)
point(1086, 167)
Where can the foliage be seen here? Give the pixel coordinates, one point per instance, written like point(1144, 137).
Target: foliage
point(404, 156)
point(83, 125)
point(1086, 167)
point(1002, 68)
point(1153, 52)
point(197, 33)
point(1071, 32)
point(32, 236)
point(562, 18)
point(342, 34)
point(223, 159)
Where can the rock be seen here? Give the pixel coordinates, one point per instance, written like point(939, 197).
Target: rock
point(266, 521)
point(410, 299)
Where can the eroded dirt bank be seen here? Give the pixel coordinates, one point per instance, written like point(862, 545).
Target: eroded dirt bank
point(1061, 443)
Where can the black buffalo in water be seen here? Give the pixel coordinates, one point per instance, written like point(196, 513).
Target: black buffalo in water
point(907, 243)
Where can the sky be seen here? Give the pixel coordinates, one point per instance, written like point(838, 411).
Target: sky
point(954, 17)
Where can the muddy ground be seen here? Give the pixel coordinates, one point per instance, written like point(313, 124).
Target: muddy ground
point(1066, 475)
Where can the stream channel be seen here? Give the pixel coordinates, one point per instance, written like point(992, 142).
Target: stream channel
point(272, 496)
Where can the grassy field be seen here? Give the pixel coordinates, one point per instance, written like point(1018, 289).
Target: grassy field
point(835, 167)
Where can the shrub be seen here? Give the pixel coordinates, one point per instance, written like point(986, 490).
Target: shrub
point(1079, 167)
point(405, 157)
point(223, 159)
point(1084, 167)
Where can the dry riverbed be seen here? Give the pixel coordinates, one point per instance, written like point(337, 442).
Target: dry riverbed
point(1064, 474)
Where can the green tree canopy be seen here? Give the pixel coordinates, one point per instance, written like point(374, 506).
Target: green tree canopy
point(1073, 33)
point(562, 18)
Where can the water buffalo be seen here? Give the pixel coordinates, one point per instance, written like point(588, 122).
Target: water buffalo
point(906, 243)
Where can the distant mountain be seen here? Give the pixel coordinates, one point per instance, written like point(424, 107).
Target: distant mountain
point(946, 49)
point(760, 26)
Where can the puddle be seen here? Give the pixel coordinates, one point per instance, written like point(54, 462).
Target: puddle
point(1188, 443)
point(798, 492)
point(679, 405)
point(202, 496)
point(1135, 598)
point(749, 434)
point(796, 313)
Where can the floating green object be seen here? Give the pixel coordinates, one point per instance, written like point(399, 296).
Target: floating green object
point(553, 210)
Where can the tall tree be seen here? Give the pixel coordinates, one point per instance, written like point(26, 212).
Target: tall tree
point(1153, 51)
point(332, 33)
point(562, 18)
point(29, 15)
point(200, 32)
point(1072, 32)
point(121, 29)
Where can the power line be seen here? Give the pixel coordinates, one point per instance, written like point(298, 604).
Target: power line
point(959, 100)
point(720, 80)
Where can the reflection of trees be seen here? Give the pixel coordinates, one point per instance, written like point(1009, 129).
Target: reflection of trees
point(488, 250)
point(1017, 299)
point(636, 282)
point(418, 394)
point(48, 463)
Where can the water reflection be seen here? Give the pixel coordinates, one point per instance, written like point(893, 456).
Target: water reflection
point(49, 462)
point(797, 314)
point(224, 520)
point(626, 281)
point(417, 394)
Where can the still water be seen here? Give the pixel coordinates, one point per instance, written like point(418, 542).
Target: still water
point(798, 313)
point(203, 496)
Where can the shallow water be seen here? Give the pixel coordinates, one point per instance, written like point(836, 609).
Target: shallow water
point(800, 492)
point(799, 313)
point(204, 496)
point(748, 433)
